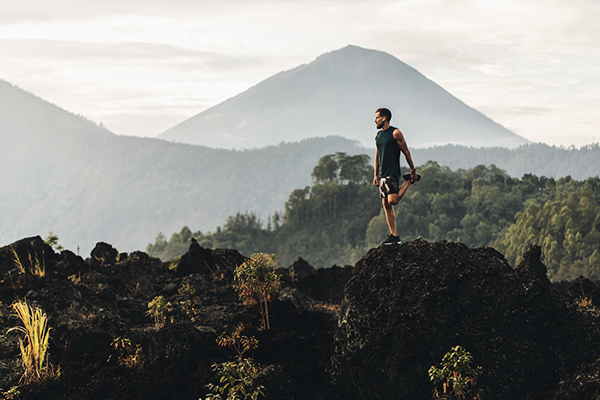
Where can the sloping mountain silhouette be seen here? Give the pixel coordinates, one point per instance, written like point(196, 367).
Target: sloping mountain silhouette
point(64, 173)
point(337, 94)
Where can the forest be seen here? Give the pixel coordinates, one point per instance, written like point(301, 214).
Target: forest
point(337, 219)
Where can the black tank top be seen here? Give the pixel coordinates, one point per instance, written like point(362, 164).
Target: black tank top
point(388, 153)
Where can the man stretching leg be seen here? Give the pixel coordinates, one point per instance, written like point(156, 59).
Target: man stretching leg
point(390, 142)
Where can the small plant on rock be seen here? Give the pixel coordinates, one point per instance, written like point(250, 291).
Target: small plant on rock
point(37, 267)
point(236, 378)
point(11, 394)
point(174, 263)
point(130, 355)
point(18, 262)
point(158, 309)
point(456, 374)
point(292, 273)
point(34, 351)
point(189, 301)
point(52, 241)
point(255, 280)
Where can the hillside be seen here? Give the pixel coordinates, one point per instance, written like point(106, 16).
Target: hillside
point(66, 174)
point(338, 94)
point(365, 332)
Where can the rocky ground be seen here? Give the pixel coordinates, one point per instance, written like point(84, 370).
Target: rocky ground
point(366, 332)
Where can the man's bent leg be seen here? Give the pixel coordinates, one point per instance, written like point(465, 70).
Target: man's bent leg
point(390, 216)
point(394, 198)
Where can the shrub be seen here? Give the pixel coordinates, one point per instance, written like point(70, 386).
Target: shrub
point(256, 280)
point(34, 352)
point(189, 301)
point(130, 355)
point(52, 241)
point(236, 378)
point(158, 308)
point(456, 374)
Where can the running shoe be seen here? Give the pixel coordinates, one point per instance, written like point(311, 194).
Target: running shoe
point(406, 177)
point(391, 239)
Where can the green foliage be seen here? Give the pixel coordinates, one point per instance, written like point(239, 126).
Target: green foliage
point(326, 170)
point(189, 301)
point(340, 166)
point(456, 374)
point(174, 263)
point(130, 355)
point(236, 378)
point(158, 309)
point(52, 241)
point(474, 206)
point(334, 223)
point(255, 280)
point(176, 246)
point(566, 223)
point(34, 350)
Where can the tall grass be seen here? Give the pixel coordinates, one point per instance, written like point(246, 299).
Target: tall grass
point(37, 267)
point(34, 350)
point(18, 260)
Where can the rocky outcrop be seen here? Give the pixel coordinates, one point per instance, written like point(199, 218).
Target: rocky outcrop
point(91, 302)
point(406, 306)
point(402, 308)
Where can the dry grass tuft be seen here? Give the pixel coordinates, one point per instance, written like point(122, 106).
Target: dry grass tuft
point(34, 350)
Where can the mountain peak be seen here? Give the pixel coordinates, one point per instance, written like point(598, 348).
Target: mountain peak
point(338, 94)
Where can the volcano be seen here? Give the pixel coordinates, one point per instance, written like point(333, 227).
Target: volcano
point(337, 94)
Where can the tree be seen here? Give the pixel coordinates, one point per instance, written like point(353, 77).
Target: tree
point(255, 280)
point(354, 169)
point(326, 170)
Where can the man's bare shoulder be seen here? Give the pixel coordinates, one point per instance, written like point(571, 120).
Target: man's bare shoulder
point(397, 134)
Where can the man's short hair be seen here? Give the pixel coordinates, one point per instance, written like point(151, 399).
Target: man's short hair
point(384, 112)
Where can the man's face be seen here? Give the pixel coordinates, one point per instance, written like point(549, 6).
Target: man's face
point(379, 121)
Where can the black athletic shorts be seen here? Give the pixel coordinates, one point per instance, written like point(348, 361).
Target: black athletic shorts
point(389, 185)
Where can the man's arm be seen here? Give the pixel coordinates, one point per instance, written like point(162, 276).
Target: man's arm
point(399, 137)
point(375, 180)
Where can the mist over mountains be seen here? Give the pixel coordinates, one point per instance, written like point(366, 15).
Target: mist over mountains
point(64, 173)
point(337, 94)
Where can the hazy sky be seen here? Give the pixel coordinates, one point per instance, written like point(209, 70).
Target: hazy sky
point(142, 66)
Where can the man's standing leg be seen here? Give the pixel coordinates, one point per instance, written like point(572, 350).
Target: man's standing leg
point(390, 216)
point(388, 202)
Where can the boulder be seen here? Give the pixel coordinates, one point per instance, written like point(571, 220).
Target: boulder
point(406, 306)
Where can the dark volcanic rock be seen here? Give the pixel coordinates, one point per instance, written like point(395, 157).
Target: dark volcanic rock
point(302, 268)
point(584, 384)
point(91, 303)
point(103, 254)
point(218, 263)
point(406, 306)
point(29, 251)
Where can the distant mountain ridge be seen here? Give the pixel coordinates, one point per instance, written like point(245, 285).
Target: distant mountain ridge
point(338, 94)
point(64, 173)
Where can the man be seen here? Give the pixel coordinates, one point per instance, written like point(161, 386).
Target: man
point(390, 142)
